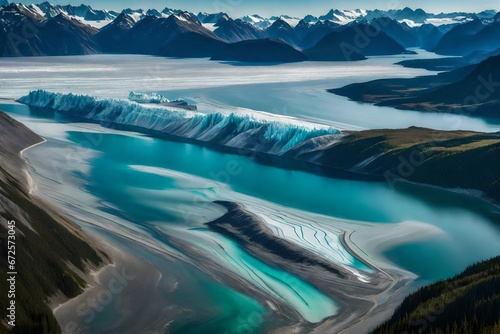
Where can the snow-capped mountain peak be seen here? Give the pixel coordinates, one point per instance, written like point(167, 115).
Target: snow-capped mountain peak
point(186, 17)
point(292, 21)
point(343, 16)
point(169, 11)
point(257, 21)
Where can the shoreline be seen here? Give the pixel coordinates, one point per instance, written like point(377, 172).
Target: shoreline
point(31, 183)
point(91, 277)
point(43, 141)
point(92, 274)
point(471, 193)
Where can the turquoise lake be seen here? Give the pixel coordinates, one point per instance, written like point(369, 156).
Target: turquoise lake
point(112, 179)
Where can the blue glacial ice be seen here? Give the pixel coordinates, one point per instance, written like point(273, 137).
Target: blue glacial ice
point(242, 131)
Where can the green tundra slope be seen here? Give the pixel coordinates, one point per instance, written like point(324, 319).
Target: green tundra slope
point(449, 159)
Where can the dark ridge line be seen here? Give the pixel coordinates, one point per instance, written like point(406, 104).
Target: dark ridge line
point(248, 230)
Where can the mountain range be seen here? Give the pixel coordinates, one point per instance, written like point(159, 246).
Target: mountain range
point(236, 30)
point(408, 15)
point(46, 29)
point(23, 34)
point(178, 35)
point(348, 44)
point(469, 37)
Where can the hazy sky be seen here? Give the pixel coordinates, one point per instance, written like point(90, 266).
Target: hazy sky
point(290, 7)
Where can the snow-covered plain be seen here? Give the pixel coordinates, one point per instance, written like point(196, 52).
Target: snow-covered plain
point(116, 75)
point(294, 91)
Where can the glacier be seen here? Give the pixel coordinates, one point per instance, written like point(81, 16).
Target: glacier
point(147, 98)
point(247, 131)
point(152, 98)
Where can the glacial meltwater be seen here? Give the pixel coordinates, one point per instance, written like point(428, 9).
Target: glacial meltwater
point(149, 195)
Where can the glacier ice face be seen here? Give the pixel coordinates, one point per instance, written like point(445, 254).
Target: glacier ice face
point(232, 130)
